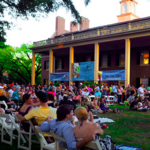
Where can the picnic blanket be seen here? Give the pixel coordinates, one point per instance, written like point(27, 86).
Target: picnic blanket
point(102, 120)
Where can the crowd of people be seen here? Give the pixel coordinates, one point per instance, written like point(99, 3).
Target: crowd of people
point(44, 104)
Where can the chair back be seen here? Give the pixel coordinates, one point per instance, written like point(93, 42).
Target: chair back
point(94, 145)
point(3, 103)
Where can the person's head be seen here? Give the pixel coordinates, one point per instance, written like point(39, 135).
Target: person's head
point(129, 85)
point(27, 98)
point(104, 85)
point(13, 87)
point(88, 85)
point(51, 84)
point(91, 89)
point(80, 84)
point(51, 97)
point(45, 85)
point(52, 90)
point(42, 97)
point(97, 90)
point(30, 88)
point(88, 108)
point(2, 111)
point(80, 90)
point(77, 93)
point(86, 90)
point(136, 98)
point(81, 113)
point(69, 98)
point(102, 99)
point(18, 88)
point(142, 85)
point(65, 112)
point(74, 84)
point(16, 83)
point(5, 87)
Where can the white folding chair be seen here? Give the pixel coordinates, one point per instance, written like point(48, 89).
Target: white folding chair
point(3, 103)
point(28, 135)
point(110, 100)
point(8, 128)
point(94, 145)
point(43, 142)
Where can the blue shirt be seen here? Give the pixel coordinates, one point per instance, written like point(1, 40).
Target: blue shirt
point(63, 129)
point(98, 94)
point(15, 95)
point(114, 89)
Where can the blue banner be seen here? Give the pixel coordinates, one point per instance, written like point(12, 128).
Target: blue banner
point(83, 71)
point(113, 75)
point(60, 76)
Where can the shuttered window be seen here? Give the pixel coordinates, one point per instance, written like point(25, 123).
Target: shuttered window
point(46, 65)
point(104, 61)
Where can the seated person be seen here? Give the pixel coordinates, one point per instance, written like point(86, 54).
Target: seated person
point(97, 93)
point(92, 92)
point(62, 127)
point(67, 100)
point(85, 92)
point(134, 103)
point(126, 103)
point(104, 105)
point(141, 106)
point(83, 101)
point(77, 97)
point(95, 106)
point(84, 126)
point(90, 115)
point(40, 113)
point(52, 92)
point(51, 101)
point(25, 108)
point(2, 110)
point(147, 103)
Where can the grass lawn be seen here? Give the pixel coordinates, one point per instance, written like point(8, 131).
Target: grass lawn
point(130, 128)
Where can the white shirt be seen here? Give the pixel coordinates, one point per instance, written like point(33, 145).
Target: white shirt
point(140, 89)
point(85, 93)
point(60, 97)
point(10, 93)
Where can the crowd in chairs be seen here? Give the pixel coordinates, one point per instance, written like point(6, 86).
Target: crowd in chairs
point(62, 116)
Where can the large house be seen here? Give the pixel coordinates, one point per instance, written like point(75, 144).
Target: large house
point(121, 46)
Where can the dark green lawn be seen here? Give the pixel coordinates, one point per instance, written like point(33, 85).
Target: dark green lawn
point(131, 128)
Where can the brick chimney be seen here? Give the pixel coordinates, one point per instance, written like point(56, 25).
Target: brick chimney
point(60, 25)
point(73, 28)
point(85, 23)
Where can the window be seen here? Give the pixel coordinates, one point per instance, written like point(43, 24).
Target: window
point(122, 60)
point(46, 65)
point(133, 8)
point(145, 81)
point(59, 64)
point(125, 8)
point(144, 58)
point(104, 61)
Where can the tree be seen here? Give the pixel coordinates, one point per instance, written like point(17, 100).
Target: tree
point(18, 63)
point(35, 8)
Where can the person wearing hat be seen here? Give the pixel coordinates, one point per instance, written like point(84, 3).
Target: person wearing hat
point(80, 86)
point(40, 113)
point(62, 127)
point(84, 126)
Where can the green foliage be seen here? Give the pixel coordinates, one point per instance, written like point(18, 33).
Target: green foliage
point(18, 63)
point(89, 83)
point(35, 8)
point(57, 84)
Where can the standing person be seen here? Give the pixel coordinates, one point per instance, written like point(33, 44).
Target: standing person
point(61, 96)
point(80, 86)
point(104, 90)
point(114, 88)
point(52, 86)
point(110, 88)
point(128, 91)
point(141, 91)
point(119, 93)
point(74, 88)
point(89, 88)
point(45, 88)
point(52, 92)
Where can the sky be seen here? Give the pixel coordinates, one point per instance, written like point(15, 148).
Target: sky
point(99, 12)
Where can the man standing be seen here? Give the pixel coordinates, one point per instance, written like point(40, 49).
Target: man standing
point(141, 91)
point(52, 86)
point(128, 90)
point(62, 127)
